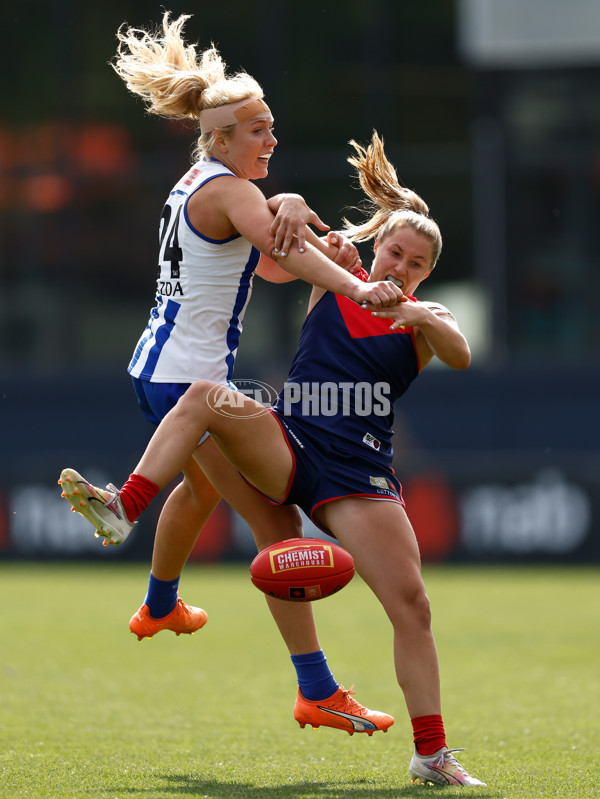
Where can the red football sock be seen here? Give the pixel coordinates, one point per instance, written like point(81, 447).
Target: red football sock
point(429, 734)
point(137, 493)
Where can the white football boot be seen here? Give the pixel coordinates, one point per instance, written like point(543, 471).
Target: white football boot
point(441, 768)
point(101, 507)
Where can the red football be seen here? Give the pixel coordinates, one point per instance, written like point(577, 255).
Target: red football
point(302, 569)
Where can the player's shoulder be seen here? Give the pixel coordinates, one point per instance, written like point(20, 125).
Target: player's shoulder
point(237, 189)
point(200, 173)
point(226, 193)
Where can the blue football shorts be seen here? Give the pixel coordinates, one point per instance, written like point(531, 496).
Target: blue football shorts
point(157, 399)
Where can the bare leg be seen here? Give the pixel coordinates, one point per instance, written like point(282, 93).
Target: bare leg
point(183, 516)
point(382, 542)
point(242, 435)
point(243, 441)
point(173, 443)
point(269, 524)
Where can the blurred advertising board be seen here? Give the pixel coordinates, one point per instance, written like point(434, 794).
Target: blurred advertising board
point(546, 514)
point(495, 467)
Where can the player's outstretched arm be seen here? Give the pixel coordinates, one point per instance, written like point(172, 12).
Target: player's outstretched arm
point(246, 207)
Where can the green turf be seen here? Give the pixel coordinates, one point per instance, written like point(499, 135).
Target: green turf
point(88, 711)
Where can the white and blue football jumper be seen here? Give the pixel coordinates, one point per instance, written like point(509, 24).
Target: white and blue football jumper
point(203, 289)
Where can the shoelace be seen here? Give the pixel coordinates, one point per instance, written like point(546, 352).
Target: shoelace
point(450, 751)
point(348, 704)
point(448, 755)
point(181, 609)
point(113, 503)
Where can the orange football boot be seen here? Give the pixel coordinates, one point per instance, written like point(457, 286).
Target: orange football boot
point(341, 712)
point(182, 619)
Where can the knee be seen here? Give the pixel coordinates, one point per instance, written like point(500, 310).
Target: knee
point(295, 522)
point(197, 392)
point(200, 492)
point(421, 608)
point(186, 407)
point(284, 523)
point(412, 606)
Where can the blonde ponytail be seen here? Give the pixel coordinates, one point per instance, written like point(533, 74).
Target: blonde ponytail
point(390, 205)
point(172, 80)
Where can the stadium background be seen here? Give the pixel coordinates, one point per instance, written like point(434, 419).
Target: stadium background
point(489, 110)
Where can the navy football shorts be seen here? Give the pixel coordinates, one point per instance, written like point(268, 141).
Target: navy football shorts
point(323, 471)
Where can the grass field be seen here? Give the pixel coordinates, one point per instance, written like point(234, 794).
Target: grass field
point(88, 711)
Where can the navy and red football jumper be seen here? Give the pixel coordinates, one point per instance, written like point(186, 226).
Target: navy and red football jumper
point(336, 409)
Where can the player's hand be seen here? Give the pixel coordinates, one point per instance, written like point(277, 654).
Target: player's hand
point(292, 214)
point(383, 294)
point(347, 255)
point(400, 313)
point(408, 313)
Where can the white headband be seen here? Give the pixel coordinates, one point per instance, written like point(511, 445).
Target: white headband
point(231, 114)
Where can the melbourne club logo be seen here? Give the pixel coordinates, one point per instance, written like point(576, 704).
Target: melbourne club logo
point(371, 441)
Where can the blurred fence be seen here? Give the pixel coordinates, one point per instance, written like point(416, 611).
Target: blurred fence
point(496, 466)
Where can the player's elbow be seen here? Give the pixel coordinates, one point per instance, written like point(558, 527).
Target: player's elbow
point(456, 357)
point(462, 359)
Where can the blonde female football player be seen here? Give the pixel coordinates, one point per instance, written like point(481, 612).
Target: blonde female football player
point(217, 231)
point(336, 464)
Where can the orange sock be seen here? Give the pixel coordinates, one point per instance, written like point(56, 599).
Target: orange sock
point(429, 734)
point(137, 493)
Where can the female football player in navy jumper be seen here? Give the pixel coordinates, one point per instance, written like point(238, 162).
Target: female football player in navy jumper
point(216, 231)
point(326, 445)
